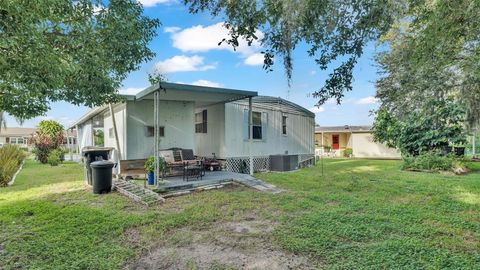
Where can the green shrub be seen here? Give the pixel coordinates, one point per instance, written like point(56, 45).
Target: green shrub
point(54, 157)
point(11, 157)
point(433, 161)
point(150, 164)
point(48, 138)
point(347, 152)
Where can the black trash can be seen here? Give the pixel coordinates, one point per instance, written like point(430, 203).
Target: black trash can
point(102, 176)
point(91, 154)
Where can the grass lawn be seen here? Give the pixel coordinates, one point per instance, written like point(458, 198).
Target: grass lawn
point(361, 214)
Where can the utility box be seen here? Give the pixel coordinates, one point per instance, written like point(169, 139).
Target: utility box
point(283, 163)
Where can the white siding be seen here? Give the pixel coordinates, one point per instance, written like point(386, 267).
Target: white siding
point(177, 117)
point(363, 146)
point(214, 140)
point(120, 111)
point(299, 138)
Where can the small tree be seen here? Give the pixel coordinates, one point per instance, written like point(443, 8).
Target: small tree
point(49, 137)
point(434, 126)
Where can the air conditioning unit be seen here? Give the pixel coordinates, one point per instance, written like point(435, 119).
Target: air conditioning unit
point(283, 163)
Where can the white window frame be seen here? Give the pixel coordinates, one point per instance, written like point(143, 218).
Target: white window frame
point(201, 122)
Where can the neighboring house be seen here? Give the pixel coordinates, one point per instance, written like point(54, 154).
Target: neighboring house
point(211, 121)
point(17, 135)
point(22, 137)
point(333, 140)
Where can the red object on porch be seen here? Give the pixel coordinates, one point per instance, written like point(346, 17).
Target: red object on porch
point(335, 142)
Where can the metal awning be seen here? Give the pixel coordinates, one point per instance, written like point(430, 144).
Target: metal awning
point(201, 95)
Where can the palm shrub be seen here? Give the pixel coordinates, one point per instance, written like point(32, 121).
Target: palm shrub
point(11, 157)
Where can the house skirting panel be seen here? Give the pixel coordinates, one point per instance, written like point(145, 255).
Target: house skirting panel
point(261, 163)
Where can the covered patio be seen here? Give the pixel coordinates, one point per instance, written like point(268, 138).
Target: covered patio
point(191, 96)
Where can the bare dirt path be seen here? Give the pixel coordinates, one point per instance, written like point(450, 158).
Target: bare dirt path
point(246, 244)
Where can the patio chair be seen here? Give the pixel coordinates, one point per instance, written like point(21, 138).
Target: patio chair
point(182, 162)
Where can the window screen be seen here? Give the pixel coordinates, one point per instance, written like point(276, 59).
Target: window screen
point(201, 122)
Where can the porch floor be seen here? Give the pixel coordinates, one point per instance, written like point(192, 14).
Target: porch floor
point(212, 179)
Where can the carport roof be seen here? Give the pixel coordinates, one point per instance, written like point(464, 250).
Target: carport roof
point(202, 95)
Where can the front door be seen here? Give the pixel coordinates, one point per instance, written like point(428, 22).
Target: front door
point(335, 142)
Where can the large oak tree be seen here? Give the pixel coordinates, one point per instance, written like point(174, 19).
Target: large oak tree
point(445, 38)
point(76, 51)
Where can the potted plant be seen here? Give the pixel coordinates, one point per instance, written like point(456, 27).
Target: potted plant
point(150, 168)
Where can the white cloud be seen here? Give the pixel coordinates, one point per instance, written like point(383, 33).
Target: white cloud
point(182, 63)
point(207, 83)
point(255, 59)
point(367, 100)
point(171, 29)
point(317, 109)
point(130, 90)
point(201, 38)
point(331, 101)
point(152, 3)
point(313, 72)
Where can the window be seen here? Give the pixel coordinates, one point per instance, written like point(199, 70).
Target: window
point(110, 133)
point(284, 125)
point(201, 122)
point(17, 140)
point(257, 125)
point(150, 131)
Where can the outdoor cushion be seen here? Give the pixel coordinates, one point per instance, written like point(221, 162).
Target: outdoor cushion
point(167, 156)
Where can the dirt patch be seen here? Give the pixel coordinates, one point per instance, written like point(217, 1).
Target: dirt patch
point(244, 244)
point(132, 235)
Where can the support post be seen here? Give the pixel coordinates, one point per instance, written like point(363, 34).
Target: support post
point(323, 147)
point(78, 144)
point(117, 141)
point(115, 131)
point(69, 145)
point(250, 134)
point(156, 135)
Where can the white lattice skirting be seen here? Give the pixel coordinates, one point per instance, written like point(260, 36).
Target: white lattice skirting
point(242, 164)
point(261, 163)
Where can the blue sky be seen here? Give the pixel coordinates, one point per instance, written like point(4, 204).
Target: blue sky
point(187, 52)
